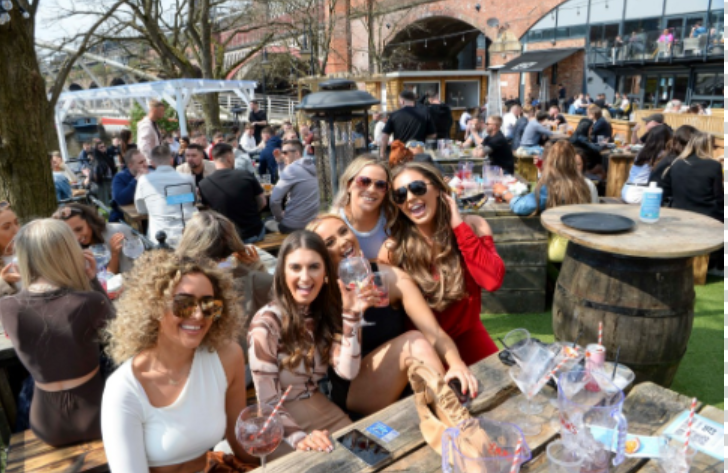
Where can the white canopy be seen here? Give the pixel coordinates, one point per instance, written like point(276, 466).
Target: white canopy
point(177, 93)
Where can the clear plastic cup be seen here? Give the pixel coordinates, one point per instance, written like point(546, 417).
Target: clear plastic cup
point(673, 457)
point(518, 343)
point(562, 459)
point(622, 378)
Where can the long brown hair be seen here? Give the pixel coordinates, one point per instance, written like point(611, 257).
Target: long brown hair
point(325, 310)
point(566, 186)
point(124, 138)
point(436, 269)
point(88, 215)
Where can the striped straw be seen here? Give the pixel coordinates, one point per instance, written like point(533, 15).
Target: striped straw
point(546, 378)
point(275, 411)
point(516, 456)
point(600, 334)
point(690, 424)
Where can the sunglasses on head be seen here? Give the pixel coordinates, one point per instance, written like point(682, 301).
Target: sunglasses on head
point(364, 182)
point(418, 188)
point(4, 205)
point(64, 213)
point(185, 305)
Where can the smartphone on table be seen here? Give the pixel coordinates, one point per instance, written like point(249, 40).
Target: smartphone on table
point(368, 450)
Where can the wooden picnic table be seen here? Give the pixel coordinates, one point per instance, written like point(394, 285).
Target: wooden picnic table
point(134, 218)
point(618, 167)
point(649, 409)
point(639, 283)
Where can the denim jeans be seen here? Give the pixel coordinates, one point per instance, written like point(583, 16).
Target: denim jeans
point(257, 238)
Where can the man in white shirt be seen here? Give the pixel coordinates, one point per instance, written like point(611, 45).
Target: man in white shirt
point(149, 135)
point(153, 190)
point(509, 121)
point(247, 141)
point(580, 105)
point(464, 119)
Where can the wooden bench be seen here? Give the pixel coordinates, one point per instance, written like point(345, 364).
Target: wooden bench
point(272, 242)
point(27, 453)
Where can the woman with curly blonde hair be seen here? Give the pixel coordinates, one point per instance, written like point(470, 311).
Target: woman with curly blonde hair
point(181, 383)
point(450, 257)
point(365, 204)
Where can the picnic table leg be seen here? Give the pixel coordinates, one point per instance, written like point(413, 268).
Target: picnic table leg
point(6, 397)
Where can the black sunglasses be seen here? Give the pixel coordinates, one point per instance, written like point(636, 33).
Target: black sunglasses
point(418, 188)
point(364, 182)
point(185, 305)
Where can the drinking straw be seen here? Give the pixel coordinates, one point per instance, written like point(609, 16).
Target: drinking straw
point(553, 371)
point(600, 334)
point(516, 456)
point(504, 343)
point(690, 424)
point(616, 363)
point(275, 410)
point(578, 336)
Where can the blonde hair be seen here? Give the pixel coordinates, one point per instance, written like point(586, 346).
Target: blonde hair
point(343, 199)
point(316, 222)
point(146, 299)
point(47, 249)
point(699, 145)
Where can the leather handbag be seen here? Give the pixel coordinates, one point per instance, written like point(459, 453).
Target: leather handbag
point(437, 405)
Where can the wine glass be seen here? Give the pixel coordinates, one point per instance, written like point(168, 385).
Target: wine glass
point(133, 247)
point(102, 255)
point(259, 431)
point(355, 270)
point(525, 380)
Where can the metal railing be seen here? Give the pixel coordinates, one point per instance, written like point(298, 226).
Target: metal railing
point(278, 107)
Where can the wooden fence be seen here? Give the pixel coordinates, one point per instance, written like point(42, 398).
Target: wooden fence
point(708, 123)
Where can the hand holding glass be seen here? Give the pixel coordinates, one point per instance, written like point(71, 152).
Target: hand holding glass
point(254, 435)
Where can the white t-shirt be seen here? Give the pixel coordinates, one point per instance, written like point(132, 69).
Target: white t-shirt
point(509, 124)
point(464, 118)
point(138, 435)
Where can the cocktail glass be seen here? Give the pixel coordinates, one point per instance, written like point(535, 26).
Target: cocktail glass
point(259, 431)
point(133, 247)
point(674, 458)
point(102, 255)
point(355, 271)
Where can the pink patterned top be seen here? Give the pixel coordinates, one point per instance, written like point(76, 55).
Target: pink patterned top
point(266, 353)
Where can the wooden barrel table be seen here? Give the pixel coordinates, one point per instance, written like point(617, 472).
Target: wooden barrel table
point(638, 283)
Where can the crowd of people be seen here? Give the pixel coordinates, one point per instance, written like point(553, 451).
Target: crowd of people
point(159, 375)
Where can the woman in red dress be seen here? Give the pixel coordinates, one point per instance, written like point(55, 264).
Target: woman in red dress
point(449, 256)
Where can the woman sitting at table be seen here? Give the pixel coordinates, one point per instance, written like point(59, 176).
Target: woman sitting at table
point(449, 257)
point(561, 184)
point(180, 385)
point(211, 235)
point(580, 160)
point(387, 347)
point(653, 150)
point(581, 141)
point(694, 182)
point(10, 281)
point(365, 203)
point(54, 324)
point(675, 147)
point(311, 324)
point(91, 229)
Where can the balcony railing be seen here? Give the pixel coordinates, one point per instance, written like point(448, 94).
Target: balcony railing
point(655, 47)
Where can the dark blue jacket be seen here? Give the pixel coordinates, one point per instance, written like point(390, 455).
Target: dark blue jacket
point(268, 164)
point(122, 192)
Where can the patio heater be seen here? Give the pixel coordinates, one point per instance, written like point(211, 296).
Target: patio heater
point(335, 108)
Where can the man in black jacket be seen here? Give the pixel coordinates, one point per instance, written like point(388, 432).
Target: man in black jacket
point(440, 113)
point(601, 125)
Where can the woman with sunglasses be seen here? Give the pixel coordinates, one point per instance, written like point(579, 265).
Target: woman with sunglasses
point(91, 229)
point(364, 203)
point(54, 324)
point(388, 348)
point(311, 324)
point(10, 281)
point(449, 257)
point(180, 385)
point(211, 235)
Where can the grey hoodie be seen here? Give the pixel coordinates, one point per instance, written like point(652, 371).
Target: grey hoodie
point(299, 182)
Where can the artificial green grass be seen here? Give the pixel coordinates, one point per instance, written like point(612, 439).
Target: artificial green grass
point(701, 370)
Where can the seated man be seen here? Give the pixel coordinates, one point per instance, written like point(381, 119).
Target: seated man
point(267, 163)
point(63, 187)
point(123, 187)
point(496, 146)
point(536, 133)
point(234, 193)
point(299, 186)
point(196, 164)
point(153, 189)
point(601, 126)
point(247, 141)
point(476, 135)
point(556, 119)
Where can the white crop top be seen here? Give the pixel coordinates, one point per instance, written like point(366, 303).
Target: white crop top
point(138, 435)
